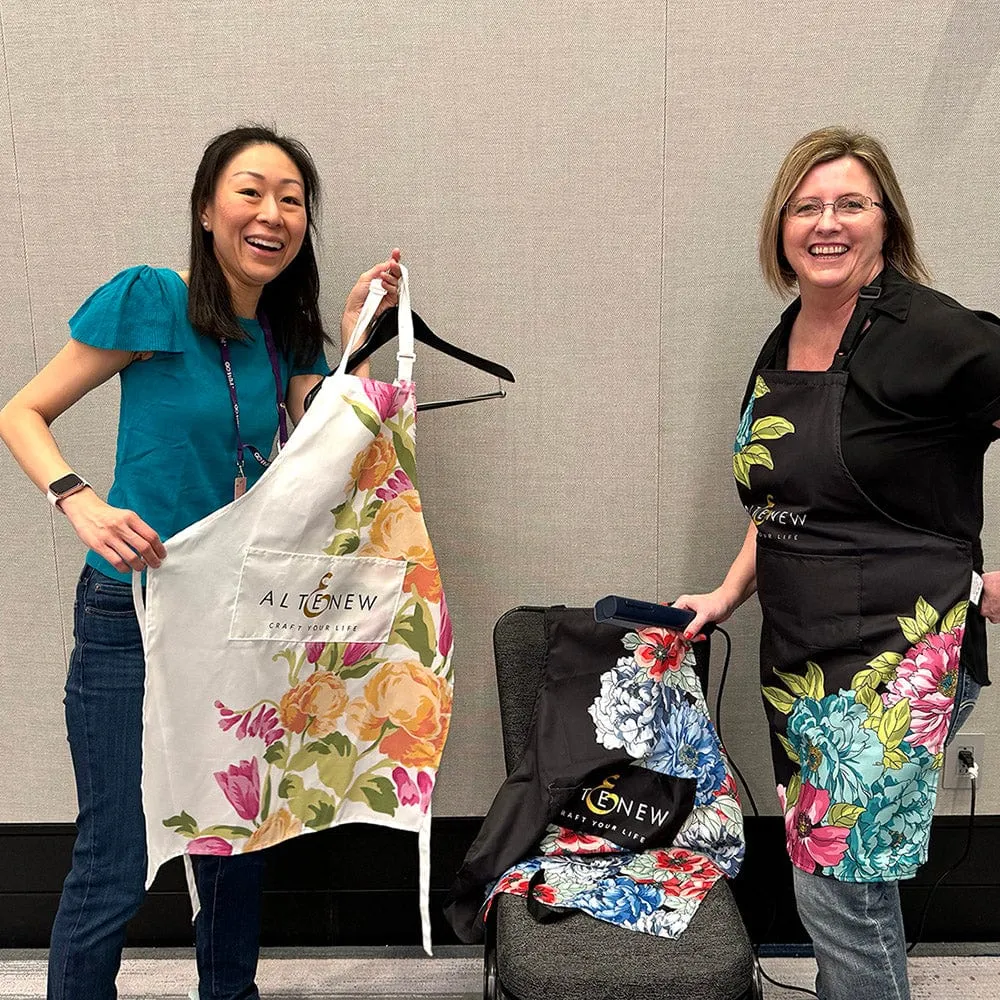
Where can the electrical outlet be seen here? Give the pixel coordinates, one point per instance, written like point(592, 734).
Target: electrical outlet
point(954, 772)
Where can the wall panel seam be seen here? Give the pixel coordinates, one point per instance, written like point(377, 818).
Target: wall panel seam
point(658, 567)
point(27, 282)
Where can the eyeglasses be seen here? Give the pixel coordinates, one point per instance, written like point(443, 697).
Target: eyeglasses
point(845, 205)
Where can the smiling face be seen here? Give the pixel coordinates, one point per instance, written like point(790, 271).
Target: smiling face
point(257, 218)
point(831, 252)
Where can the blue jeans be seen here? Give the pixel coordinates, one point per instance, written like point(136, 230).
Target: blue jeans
point(857, 927)
point(105, 886)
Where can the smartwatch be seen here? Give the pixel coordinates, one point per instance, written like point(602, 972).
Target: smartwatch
point(65, 487)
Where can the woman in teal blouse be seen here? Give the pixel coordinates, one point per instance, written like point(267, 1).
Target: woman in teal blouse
point(213, 362)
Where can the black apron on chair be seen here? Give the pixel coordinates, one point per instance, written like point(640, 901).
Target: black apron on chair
point(863, 621)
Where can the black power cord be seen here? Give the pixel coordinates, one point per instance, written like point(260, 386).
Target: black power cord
point(753, 805)
point(718, 718)
point(966, 757)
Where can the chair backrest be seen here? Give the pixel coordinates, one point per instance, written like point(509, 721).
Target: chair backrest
point(519, 654)
point(519, 648)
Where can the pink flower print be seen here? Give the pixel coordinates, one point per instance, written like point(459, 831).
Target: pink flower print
point(229, 717)
point(928, 677)
point(314, 650)
point(210, 845)
point(354, 652)
point(425, 782)
point(386, 398)
point(660, 650)
point(398, 482)
point(809, 843)
point(410, 792)
point(266, 725)
point(444, 633)
point(240, 783)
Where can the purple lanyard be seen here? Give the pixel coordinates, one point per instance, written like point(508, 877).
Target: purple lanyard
point(279, 390)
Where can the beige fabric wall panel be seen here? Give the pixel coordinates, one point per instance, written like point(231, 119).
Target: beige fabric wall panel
point(743, 82)
point(32, 646)
point(515, 154)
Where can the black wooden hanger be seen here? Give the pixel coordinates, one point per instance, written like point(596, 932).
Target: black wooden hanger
point(385, 328)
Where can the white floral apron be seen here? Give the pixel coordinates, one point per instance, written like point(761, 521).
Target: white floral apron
point(298, 643)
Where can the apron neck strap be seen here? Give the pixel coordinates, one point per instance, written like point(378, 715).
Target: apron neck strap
point(405, 356)
point(858, 324)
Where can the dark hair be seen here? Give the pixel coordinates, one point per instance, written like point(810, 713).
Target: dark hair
point(291, 301)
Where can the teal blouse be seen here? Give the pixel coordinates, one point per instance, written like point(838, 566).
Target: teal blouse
point(176, 453)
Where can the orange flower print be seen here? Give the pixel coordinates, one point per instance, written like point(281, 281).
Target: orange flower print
point(315, 705)
point(399, 532)
point(416, 701)
point(373, 466)
point(426, 582)
point(277, 827)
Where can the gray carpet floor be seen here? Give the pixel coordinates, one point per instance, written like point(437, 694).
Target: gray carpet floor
point(395, 974)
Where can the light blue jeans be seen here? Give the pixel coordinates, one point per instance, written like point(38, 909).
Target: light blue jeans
point(857, 927)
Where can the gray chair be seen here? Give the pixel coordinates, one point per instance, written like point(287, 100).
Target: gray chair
point(579, 957)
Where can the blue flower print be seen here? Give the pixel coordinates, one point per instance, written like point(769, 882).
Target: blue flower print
point(620, 901)
point(836, 753)
point(743, 432)
point(689, 747)
point(889, 839)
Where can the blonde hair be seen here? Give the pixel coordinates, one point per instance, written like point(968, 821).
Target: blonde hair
point(821, 146)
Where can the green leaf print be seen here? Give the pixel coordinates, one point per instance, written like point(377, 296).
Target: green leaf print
point(894, 759)
point(378, 792)
point(880, 670)
point(307, 757)
point(336, 769)
point(404, 454)
point(769, 428)
point(224, 830)
point(793, 789)
point(265, 798)
point(368, 417)
point(343, 544)
point(844, 814)
point(760, 388)
point(413, 631)
point(894, 724)
point(758, 455)
point(360, 669)
point(277, 754)
point(344, 517)
point(810, 686)
point(789, 749)
point(369, 510)
point(872, 700)
point(741, 468)
point(183, 823)
point(910, 629)
point(781, 700)
point(924, 620)
point(315, 808)
point(927, 617)
point(956, 617)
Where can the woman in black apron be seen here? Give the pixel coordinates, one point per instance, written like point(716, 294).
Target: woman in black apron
point(859, 459)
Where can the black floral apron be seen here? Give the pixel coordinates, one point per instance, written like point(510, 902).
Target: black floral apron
point(863, 621)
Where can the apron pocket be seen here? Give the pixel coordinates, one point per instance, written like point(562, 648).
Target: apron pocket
point(811, 602)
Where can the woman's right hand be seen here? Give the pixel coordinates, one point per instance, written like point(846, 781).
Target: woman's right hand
point(715, 607)
point(115, 534)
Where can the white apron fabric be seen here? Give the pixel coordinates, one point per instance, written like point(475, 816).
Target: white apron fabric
point(297, 641)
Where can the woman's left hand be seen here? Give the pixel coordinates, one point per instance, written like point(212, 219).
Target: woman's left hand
point(989, 603)
point(389, 273)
